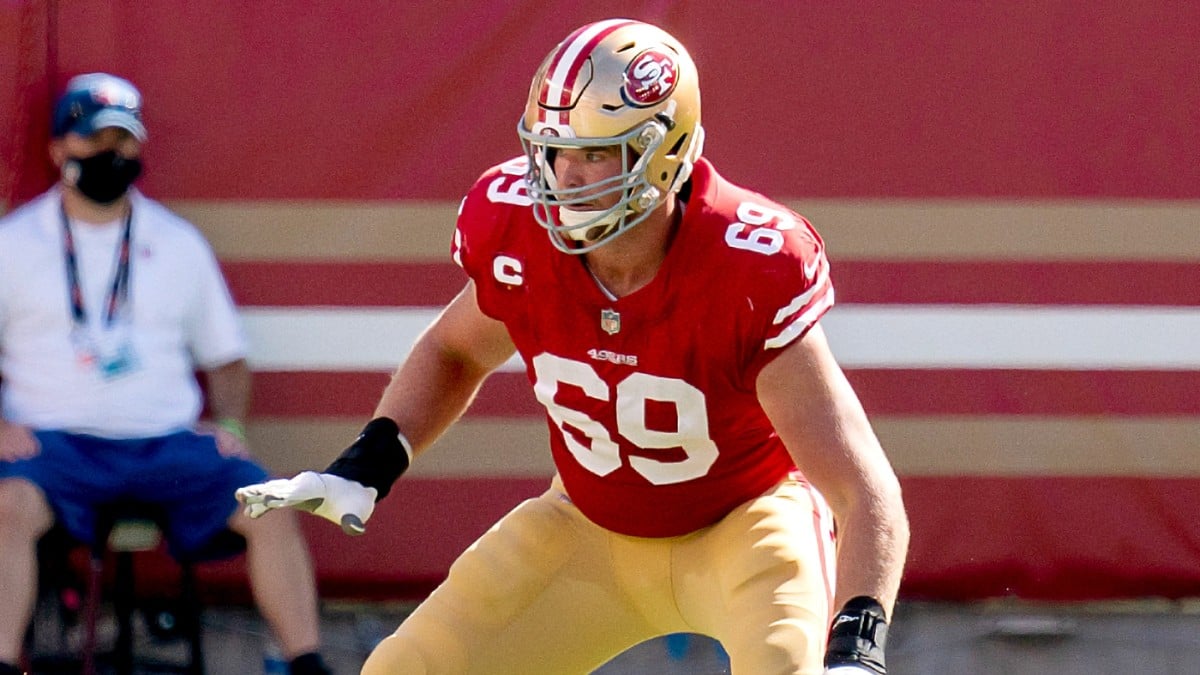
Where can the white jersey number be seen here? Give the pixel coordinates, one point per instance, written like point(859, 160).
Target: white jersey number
point(509, 187)
point(758, 228)
point(632, 393)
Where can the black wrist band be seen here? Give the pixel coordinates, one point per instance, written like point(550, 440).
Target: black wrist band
point(376, 458)
point(858, 635)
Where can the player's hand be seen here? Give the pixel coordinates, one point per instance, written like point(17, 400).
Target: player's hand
point(344, 502)
point(231, 440)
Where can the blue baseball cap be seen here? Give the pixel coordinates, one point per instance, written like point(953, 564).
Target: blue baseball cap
point(98, 101)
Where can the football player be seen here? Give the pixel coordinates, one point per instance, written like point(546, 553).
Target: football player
point(707, 444)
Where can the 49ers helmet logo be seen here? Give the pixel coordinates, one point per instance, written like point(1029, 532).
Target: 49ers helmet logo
point(650, 78)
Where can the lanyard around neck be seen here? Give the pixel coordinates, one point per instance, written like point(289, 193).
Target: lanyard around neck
point(118, 292)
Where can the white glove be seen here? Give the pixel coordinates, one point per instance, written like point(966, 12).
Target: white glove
point(344, 502)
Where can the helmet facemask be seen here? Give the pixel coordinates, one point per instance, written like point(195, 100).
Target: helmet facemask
point(579, 231)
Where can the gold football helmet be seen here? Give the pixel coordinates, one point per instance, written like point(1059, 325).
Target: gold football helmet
point(618, 83)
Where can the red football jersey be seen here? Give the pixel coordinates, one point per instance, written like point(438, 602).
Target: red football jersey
point(655, 425)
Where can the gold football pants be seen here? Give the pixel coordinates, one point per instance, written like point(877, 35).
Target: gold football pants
point(547, 591)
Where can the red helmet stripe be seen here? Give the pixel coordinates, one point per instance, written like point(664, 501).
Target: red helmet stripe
point(564, 68)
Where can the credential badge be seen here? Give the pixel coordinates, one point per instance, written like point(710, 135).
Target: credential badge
point(610, 321)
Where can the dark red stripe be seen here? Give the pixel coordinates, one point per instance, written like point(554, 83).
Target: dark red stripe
point(343, 284)
point(1056, 538)
point(883, 392)
point(316, 394)
point(1052, 538)
point(1027, 392)
point(354, 394)
point(383, 284)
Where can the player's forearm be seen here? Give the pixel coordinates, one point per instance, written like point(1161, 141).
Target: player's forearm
point(872, 545)
point(438, 379)
point(427, 393)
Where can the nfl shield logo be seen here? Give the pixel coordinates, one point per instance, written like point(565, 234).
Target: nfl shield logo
point(610, 321)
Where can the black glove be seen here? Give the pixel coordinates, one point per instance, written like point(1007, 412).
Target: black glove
point(857, 638)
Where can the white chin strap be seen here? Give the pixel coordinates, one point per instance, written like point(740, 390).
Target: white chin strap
point(570, 218)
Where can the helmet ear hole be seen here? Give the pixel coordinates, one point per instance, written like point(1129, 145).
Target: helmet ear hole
point(674, 151)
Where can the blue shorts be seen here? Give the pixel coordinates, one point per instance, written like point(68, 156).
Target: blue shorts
point(182, 473)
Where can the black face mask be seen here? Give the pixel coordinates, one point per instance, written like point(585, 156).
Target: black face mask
point(102, 178)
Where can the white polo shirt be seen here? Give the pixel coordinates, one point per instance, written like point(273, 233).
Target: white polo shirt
point(180, 317)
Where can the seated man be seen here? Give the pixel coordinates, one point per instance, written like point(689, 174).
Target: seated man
point(108, 304)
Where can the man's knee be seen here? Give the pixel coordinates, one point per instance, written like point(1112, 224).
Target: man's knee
point(275, 526)
point(24, 513)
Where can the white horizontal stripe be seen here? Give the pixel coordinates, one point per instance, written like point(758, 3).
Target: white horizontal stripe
point(862, 336)
point(1001, 336)
point(318, 338)
point(329, 338)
